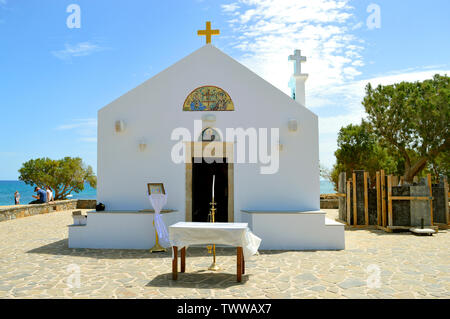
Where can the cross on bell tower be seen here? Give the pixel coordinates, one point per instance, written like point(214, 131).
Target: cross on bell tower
point(208, 32)
point(298, 58)
point(298, 79)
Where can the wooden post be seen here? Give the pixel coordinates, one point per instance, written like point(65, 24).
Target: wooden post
point(239, 253)
point(175, 263)
point(447, 216)
point(378, 200)
point(383, 199)
point(430, 185)
point(355, 206)
point(341, 195)
point(243, 264)
point(389, 186)
point(348, 202)
point(183, 259)
point(366, 199)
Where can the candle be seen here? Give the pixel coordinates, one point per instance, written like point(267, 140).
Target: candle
point(214, 180)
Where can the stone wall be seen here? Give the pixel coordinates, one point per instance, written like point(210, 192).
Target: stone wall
point(21, 211)
point(86, 203)
point(329, 203)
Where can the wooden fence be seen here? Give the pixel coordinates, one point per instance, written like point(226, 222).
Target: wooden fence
point(383, 206)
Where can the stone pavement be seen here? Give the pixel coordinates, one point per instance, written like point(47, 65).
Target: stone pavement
point(35, 262)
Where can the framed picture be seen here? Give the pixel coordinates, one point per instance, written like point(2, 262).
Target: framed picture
point(156, 188)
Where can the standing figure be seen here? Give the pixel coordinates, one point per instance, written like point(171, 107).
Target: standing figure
point(17, 198)
point(49, 194)
point(196, 103)
point(221, 102)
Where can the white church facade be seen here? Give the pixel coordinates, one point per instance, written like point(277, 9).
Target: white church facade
point(263, 144)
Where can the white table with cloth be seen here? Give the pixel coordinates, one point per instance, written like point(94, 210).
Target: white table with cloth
point(185, 234)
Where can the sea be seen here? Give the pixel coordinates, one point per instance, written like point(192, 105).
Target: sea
point(8, 188)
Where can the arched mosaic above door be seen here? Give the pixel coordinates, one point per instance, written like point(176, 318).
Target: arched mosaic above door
point(208, 98)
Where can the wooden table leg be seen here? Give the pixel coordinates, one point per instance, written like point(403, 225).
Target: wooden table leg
point(175, 263)
point(243, 263)
point(239, 264)
point(183, 259)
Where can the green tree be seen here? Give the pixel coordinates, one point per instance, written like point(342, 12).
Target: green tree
point(359, 149)
point(440, 165)
point(412, 119)
point(63, 176)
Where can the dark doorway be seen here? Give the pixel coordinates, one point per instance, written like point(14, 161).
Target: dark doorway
point(202, 177)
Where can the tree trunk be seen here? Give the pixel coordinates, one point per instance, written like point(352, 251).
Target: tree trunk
point(411, 171)
point(59, 193)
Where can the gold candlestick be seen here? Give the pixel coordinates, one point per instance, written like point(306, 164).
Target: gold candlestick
point(212, 249)
point(157, 248)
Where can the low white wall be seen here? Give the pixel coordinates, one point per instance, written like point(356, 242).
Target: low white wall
point(278, 231)
point(127, 230)
point(296, 231)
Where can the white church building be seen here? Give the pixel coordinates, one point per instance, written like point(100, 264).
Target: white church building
point(208, 115)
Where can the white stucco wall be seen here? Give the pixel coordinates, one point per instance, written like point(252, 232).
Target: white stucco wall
point(153, 109)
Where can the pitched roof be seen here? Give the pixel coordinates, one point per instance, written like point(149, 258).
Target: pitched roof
point(210, 53)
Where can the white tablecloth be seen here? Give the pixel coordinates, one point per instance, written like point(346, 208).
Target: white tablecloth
point(184, 234)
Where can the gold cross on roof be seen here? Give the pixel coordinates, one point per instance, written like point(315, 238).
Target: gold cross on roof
point(208, 32)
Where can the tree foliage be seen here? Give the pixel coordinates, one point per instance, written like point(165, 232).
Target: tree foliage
point(440, 165)
point(359, 149)
point(63, 176)
point(412, 119)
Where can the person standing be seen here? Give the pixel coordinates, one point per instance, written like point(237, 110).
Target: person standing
point(49, 194)
point(16, 198)
point(41, 196)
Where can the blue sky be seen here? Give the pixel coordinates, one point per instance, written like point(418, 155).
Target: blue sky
point(53, 79)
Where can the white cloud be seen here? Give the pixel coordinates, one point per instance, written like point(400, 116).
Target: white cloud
point(268, 31)
point(79, 123)
point(89, 139)
point(86, 129)
point(230, 7)
point(77, 50)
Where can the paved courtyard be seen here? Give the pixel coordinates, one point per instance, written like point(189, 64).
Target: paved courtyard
point(35, 262)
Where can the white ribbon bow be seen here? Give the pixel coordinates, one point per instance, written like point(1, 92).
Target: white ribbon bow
point(158, 201)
